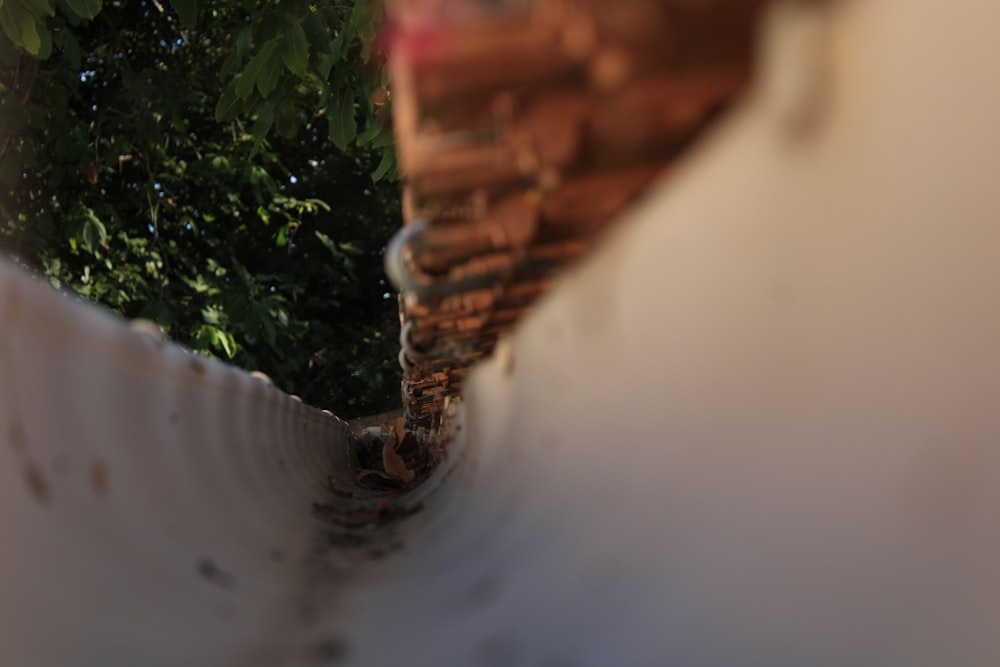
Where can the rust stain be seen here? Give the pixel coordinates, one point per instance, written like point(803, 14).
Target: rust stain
point(198, 367)
point(99, 478)
point(37, 484)
point(212, 573)
point(331, 650)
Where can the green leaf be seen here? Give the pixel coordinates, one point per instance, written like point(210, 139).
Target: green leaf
point(20, 26)
point(264, 65)
point(211, 314)
point(371, 131)
point(350, 248)
point(39, 7)
point(243, 41)
point(10, 19)
point(295, 50)
point(86, 9)
point(325, 64)
point(187, 12)
point(317, 32)
point(252, 102)
point(228, 343)
point(198, 284)
point(279, 313)
point(345, 39)
point(261, 126)
point(364, 16)
point(228, 65)
point(220, 163)
point(45, 46)
point(243, 83)
point(388, 162)
point(228, 105)
point(270, 67)
point(95, 234)
point(383, 140)
point(328, 243)
point(337, 47)
point(208, 336)
point(343, 126)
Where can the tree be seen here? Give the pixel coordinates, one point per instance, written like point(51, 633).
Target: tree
point(251, 230)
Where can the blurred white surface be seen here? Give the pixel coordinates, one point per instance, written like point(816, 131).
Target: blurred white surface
point(758, 427)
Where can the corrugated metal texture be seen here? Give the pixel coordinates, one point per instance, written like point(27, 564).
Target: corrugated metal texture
point(523, 128)
point(156, 507)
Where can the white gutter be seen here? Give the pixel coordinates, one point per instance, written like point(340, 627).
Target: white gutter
point(758, 427)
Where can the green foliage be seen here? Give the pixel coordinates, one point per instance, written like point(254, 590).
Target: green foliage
point(176, 162)
point(296, 58)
